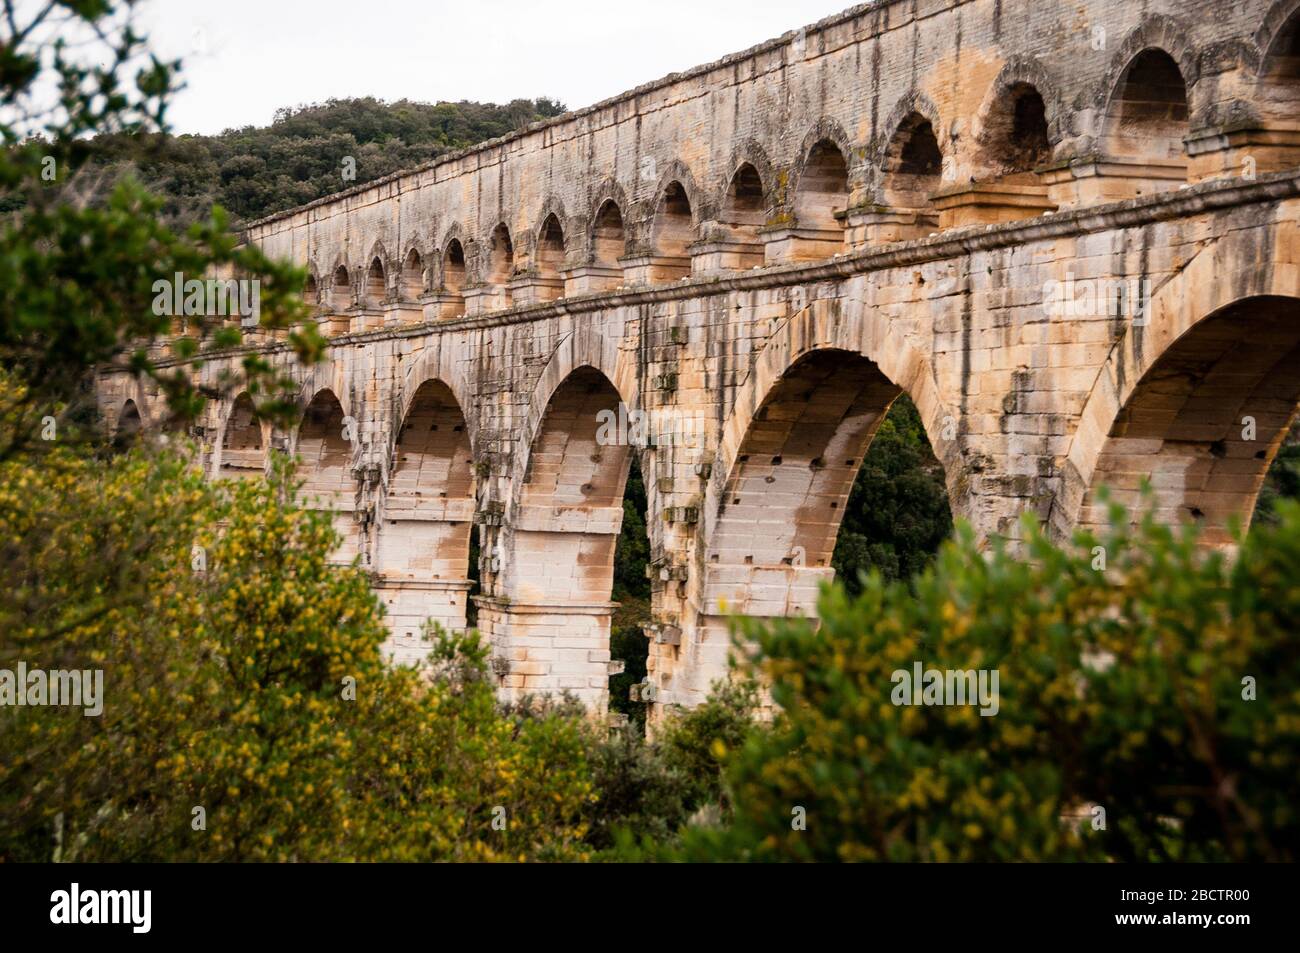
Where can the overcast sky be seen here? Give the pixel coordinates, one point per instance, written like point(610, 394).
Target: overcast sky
point(243, 59)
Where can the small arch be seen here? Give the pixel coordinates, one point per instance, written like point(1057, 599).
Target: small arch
point(341, 290)
point(501, 257)
point(453, 267)
point(913, 165)
point(376, 284)
point(1280, 72)
point(822, 193)
point(550, 248)
point(1015, 138)
point(1148, 116)
point(608, 236)
point(325, 465)
point(129, 426)
point(743, 208)
point(310, 290)
point(672, 232)
point(413, 280)
point(242, 453)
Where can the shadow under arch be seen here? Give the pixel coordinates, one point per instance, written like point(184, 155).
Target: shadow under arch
point(1204, 421)
point(422, 548)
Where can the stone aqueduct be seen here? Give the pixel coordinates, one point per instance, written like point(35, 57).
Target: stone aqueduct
point(766, 251)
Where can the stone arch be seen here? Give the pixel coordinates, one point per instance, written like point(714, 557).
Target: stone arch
point(912, 161)
point(129, 425)
point(851, 328)
point(606, 193)
point(1239, 278)
point(820, 183)
point(914, 102)
point(1007, 139)
point(376, 286)
point(608, 235)
point(750, 151)
point(1155, 32)
point(340, 293)
point(501, 257)
point(423, 544)
point(580, 349)
point(679, 172)
point(672, 230)
point(743, 208)
point(1148, 113)
point(414, 279)
point(325, 450)
point(1278, 73)
point(551, 246)
point(243, 442)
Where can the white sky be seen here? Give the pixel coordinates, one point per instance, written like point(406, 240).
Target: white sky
point(243, 59)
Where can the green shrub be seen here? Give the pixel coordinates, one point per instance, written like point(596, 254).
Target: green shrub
point(1120, 690)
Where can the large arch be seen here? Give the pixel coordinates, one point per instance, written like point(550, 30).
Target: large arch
point(1230, 287)
point(243, 450)
point(324, 446)
point(1205, 421)
point(549, 610)
point(423, 544)
point(791, 446)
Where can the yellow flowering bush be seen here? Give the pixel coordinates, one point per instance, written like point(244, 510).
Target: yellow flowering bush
point(1148, 708)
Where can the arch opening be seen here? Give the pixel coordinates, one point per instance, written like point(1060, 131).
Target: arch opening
point(1148, 115)
point(913, 165)
point(1205, 421)
point(376, 284)
point(242, 453)
point(325, 465)
point(423, 552)
point(743, 211)
point(557, 587)
point(501, 257)
point(609, 241)
point(1016, 135)
point(129, 427)
point(412, 276)
point(1280, 92)
point(672, 233)
point(796, 475)
point(550, 248)
point(341, 290)
point(311, 291)
point(823, 191)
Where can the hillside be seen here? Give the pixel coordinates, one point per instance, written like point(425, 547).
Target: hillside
point(256, 171)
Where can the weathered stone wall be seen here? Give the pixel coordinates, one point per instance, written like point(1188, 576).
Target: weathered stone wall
point(766, 282)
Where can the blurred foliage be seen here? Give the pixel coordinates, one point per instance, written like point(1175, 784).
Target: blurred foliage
point(79, 267)
point(253, 688)
point(1121, 688)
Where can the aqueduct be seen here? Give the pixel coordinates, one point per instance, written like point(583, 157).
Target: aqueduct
point(764, 252)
